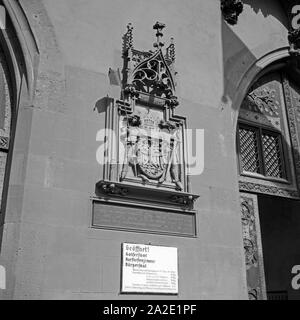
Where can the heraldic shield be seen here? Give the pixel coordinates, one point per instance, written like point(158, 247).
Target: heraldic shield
point(149, 158)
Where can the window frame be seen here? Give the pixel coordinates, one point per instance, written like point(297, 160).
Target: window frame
point(260, 128)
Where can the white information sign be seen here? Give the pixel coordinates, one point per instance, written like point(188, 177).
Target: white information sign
point(149, 269)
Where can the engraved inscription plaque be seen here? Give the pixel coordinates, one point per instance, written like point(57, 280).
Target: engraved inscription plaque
point(149, 269)
point(143, 219)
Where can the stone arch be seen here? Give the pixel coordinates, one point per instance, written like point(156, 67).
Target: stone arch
point(21, 50)
point(36, 68)
point(19, 61)
point(258, 192)
point(252, 73)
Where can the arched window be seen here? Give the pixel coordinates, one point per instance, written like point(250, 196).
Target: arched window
point(265, 148)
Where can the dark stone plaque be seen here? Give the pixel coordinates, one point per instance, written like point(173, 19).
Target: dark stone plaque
point(143, 219)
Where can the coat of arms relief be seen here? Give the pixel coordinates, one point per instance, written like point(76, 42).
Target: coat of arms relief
point(151, 149)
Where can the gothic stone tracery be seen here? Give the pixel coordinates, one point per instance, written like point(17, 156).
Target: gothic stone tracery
point(252, 248)
point(151, 151)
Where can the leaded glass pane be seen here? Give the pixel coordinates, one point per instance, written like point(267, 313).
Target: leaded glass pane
point(249, 150)
point(272, 153)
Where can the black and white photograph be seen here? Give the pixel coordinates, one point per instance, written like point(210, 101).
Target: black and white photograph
point(149, 154)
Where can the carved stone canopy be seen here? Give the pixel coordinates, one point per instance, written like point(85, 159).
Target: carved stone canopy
point(231, 9)
point(150, 72)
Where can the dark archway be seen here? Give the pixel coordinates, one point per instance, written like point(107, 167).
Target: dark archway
point(269, 173)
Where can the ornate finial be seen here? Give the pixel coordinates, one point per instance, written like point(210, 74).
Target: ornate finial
point(159, 27)
point(129, 35)
point(171, 51)
point(128, 38)
point(231, 10)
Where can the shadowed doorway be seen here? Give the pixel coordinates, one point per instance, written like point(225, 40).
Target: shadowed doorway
point(268, 138)
point(280, 233)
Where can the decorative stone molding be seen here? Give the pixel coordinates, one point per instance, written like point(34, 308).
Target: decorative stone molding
point(292, 120)
point(271, 190)
point(249, 232)
point(184, 200)
point(231, 9)
point(112, 188)
point(264, 101)
point(128, 192)
point(252, 247)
